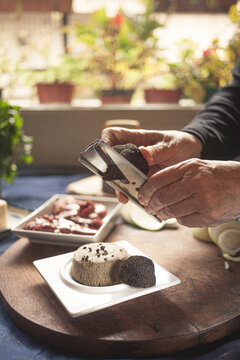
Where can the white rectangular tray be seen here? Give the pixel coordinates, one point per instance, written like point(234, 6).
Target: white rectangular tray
point(79, 300)
point(113, 209)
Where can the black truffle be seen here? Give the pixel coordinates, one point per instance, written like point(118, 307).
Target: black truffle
point(132, 153)
point(138, 271)
point(113, 173)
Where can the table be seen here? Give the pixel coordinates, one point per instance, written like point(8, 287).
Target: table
point(29, 192)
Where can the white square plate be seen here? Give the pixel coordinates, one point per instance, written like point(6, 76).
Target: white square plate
point(79, 299)
point(113, 209)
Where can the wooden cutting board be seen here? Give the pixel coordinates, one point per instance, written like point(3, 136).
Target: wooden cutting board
point(203, 308)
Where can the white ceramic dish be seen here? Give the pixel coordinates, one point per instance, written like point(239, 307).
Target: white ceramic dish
point(79, 299)
point(113, 209)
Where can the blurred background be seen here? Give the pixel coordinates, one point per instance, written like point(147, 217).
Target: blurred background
point(71, 65)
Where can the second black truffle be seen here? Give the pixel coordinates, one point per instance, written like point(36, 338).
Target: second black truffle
point(138, 271)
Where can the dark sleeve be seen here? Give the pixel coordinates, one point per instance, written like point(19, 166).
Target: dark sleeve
point(218, 125)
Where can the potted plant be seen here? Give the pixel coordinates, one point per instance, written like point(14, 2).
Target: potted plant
point(184, 72)
point(199, 73)
point(162, 95)
point(56, 83)
point(14, 144)
point(172, 79)
point(214, 69)
point(195, 73)
point(217, 62)
point(117, 49)
point(163, 87)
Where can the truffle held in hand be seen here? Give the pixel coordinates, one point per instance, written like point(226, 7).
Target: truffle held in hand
point(130, 152)
point(137, 271)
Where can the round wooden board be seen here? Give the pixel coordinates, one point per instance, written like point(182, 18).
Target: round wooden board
point(203, 308)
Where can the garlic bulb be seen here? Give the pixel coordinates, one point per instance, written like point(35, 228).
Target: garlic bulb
point(201, 234)
point(227, 237)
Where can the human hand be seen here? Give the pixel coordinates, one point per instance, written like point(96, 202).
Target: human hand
point(159, 148)
point(198, 193)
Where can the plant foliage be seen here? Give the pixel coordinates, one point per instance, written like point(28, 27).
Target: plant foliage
point(118, 47)
point(14, 144)
point(67, 69)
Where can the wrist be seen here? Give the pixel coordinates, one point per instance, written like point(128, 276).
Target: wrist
point(196, 145)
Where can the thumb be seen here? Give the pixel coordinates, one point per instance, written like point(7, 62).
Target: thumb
point(152, 154)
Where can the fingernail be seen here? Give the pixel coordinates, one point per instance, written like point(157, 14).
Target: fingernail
point(140, 199)
point(150, 212)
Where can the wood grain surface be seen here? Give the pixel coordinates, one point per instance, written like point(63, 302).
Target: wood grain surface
point(92, 185)
point(205, 307)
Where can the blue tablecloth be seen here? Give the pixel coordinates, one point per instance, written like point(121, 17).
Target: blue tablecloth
point(29, 192)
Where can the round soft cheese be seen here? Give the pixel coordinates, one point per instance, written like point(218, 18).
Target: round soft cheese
point(97, 264)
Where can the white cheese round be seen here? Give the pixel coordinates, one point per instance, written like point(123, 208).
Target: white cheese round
point(97, 264)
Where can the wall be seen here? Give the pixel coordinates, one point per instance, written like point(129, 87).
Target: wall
point(61, 133)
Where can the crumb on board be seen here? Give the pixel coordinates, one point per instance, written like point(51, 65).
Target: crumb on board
point(227, 266)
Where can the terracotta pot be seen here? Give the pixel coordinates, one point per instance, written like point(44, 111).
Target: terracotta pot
point(162, 95)
point(36, 6)
point(55, 93)
point(116, 96)
point(203, 6)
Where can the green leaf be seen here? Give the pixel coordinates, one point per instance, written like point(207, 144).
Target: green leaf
point(14, 143)
point(116, 47)
point(26, 159)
